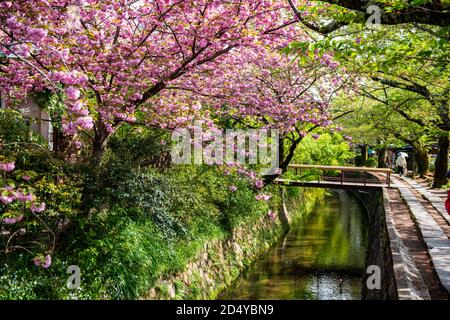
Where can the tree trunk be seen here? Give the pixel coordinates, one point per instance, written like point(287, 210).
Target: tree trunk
point(364, 155)
point(441, 164)
point(281, 152)
point(290, 155)
point(285, 160)
point(60, 143)
point(422, 161)
point(382, 158)
point(99, 145)
point(92, 174)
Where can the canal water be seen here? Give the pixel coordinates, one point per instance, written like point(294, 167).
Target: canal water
point(321, 258)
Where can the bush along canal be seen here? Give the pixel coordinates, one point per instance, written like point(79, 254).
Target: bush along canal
point(323, 256)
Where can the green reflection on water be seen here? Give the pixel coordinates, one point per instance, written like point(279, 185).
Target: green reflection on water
point(322, 257)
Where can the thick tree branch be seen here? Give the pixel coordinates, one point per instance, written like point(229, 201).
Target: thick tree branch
point(423, 91)
point(434, 13)
point(162, 84)
point(329, 28)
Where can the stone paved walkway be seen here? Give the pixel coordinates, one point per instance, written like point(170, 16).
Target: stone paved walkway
point(434, 197)
point(434, 236)
point(412, 269)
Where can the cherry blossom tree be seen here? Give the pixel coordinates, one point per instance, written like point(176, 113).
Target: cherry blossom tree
point(264, 88)
point(112, 61)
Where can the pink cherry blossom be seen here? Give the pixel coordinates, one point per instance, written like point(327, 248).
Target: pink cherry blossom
point(69, 128)
point(72, 93)
point(85, 123)
point(165, 63)
point(24, 197)
point(271, 215)
point(278, 171)
point(13, 220)
point(6, 200)
point(259, 184)
point(7, 167)
point(119, 69)
point(38, 209)
point(43, 262)
point(36, 35)
point(263, 197)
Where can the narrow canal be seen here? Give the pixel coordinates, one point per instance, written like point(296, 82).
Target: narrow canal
point(321, 258)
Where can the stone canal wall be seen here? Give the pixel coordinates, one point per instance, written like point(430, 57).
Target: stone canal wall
point(379, 247)
point(399, 273)
point(221, 261)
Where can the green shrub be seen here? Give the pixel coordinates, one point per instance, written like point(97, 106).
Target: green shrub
point(151, 194)
point(144, 222)
point(130, 148)
point(328, 149)
point(372, 163)
point(358, 160)
point(15, 129)
point(153, 226)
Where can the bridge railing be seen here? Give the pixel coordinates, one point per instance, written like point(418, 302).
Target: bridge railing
point(344, 175)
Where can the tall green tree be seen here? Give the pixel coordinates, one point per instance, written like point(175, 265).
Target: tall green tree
point(403, 67)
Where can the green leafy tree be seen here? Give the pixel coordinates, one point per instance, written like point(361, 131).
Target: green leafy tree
point(402, 67)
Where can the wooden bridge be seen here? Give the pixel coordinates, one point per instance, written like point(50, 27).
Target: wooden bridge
point(342, 177)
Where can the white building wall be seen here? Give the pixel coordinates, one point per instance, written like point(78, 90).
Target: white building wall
point(42, 122)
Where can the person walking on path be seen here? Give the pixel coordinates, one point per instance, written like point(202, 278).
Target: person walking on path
point(401, 163)
point(447, 202)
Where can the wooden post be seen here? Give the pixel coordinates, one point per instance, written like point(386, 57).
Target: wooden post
point(389, 179)
point(342, 177)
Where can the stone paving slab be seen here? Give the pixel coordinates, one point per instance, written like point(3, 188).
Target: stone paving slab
point(441, 261)
point(430, 232)
point(433, 235)
point(435, 200)
point(433, 243)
